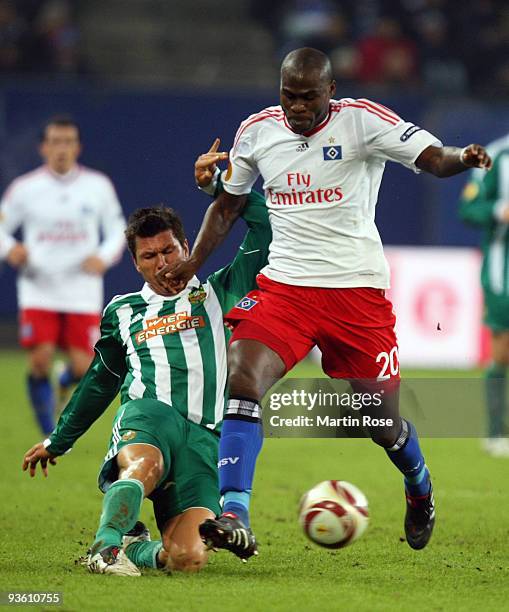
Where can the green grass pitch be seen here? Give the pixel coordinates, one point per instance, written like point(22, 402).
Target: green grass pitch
point(47, 524)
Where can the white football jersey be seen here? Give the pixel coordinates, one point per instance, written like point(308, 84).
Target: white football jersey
point(321, 189)
point(62, 219)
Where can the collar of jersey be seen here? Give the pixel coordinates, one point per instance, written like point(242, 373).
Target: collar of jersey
point(67, 177)
point(149, 295)
point(316, 129)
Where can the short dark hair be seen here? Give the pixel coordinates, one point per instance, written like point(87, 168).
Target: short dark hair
point(148, 222)
point(306, 59)
point(60, 121)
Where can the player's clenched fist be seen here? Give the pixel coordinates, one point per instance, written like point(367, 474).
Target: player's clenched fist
point(179, 275)
point(38, 454)
point(476, 156)
point(205, 165)
point(18, 255)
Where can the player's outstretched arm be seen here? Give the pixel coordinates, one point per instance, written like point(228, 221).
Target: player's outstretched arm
point(218, 221)
point(38, 454)
point(96, 390)
point(448, 161)
point(219, 218)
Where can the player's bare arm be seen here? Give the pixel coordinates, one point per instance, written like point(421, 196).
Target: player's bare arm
point(38, 454)
point(448, 161)
point(218, 221)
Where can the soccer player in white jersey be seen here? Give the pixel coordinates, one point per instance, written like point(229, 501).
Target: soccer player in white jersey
point(165, 349)
point(72, 232)
point(321, 161)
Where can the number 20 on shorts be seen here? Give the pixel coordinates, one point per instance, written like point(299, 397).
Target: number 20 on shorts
point(389, 362)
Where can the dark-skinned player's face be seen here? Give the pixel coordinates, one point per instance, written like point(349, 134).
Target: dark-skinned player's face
point(305, 99)
point(155, 255)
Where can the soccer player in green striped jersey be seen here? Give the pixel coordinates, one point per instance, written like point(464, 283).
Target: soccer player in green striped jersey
point(164, 349)
point(485, 204)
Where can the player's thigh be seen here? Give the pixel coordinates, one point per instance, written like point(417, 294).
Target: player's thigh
point(39, 332)
point(80, 331)
point(143, 421)
point(181, 539)
point(143, 462)
point(192, 481)
point(358, 343)
point(496, 317)
point(269, 315)
point(357, 338)
point(500, 347)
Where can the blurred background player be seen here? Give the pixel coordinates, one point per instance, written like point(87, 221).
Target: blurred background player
point(485, 204)
point(72, 232)
point(322, 162)
point(165, 349)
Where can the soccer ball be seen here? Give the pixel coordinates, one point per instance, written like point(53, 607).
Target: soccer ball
point(334, 513)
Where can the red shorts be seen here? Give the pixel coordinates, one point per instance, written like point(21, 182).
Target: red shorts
point(354, 328)
point(63, 329)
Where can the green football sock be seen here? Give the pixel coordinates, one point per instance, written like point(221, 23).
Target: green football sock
point(121, 507)
point(144, 554)
point(496, 399)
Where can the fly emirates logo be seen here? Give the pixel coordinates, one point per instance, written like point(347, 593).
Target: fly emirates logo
point(170, 324)
point(299, 192)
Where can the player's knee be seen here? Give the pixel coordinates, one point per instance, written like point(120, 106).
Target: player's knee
point(183, 558)
point(40, 363)
point(385, 436)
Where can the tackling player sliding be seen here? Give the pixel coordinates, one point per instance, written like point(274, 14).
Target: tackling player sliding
point(322, 162)
point(164, 348)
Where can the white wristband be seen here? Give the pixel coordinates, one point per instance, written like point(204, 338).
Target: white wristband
point(47, 443)
point(462, 154)
point(210, 189)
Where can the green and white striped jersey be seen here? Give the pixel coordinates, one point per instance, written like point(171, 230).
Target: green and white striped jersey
point(169, 349)
point(482, 201)
point(172, 349)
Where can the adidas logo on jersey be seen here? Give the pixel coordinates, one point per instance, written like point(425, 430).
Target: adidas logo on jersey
point(302, 147)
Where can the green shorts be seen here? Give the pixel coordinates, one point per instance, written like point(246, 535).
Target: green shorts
point(189, 452)
point(496, 312)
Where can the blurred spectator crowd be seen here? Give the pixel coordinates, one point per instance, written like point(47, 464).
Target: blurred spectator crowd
point(437, 46)
point(442, 46)
point(38, 36)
